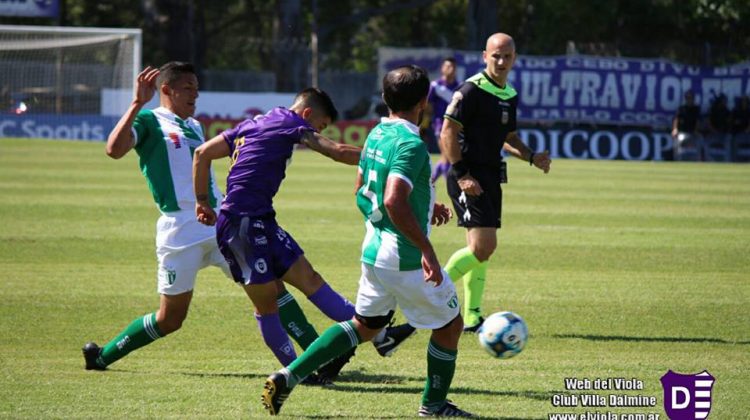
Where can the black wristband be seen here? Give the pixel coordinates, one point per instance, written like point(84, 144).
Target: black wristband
point(201, 197)
point(531, 159)
point(459, 169)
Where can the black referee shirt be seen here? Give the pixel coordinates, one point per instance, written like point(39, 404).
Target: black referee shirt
point(487, 114)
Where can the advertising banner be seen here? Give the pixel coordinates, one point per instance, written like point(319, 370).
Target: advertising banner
point(586, 89)
point(30, 8)
point(50, 126)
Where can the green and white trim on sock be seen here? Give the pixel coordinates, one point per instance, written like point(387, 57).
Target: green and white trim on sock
point(334, 342)
point(141, 332)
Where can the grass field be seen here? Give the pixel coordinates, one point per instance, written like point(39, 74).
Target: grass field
point(621, 270)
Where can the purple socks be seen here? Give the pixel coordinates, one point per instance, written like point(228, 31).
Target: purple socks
point(332, 304)
point(276, 338)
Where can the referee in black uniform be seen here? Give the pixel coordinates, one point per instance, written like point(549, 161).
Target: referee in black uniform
point(480, 121)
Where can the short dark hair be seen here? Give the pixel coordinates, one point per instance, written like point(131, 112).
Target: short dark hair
point(450, 60)
point(404, 87)
point(170, 72)
point(317, 99)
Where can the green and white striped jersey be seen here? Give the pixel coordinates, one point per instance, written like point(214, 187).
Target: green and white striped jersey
point(394, 148)
point(165, 144)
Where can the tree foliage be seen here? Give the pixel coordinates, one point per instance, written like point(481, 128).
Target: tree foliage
point(275, 35)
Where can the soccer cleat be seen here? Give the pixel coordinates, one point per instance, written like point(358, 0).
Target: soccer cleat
point(330, 371)
point(474, 328)
point(314, 379)
point(394, 337)
point(446, 410)
point(91, 352)
point(275, 392)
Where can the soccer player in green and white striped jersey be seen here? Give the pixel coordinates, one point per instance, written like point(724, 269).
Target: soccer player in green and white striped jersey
point(165, 139)
point(399, 265)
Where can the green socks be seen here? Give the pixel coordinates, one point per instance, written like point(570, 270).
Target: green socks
point(141, 332)
point(473, 293)
point(463, 264)
point(441, 364)
point(294, 321)
point(334, 342)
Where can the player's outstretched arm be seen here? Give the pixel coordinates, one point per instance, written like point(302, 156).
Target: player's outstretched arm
point(344, 153)
point(396, 203)
point(215, 148)
point(121, 139)
point(517, 148)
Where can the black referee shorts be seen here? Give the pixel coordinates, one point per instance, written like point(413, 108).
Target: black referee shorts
point(484, 210)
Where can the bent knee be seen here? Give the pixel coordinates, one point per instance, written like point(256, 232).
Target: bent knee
point(484, 252)
point(170, 323)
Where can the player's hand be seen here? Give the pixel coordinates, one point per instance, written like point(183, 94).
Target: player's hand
point(469, 185)
point(145, 85)
point(432, 271)
point(205, 214)
point(441, 214)
point(543, 161)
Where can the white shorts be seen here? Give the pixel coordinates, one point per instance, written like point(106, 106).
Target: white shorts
point(424, 305)
point(178, 268)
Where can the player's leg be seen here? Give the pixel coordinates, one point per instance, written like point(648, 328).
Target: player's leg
point(247, 245)
point(263, 297)
point(176, 279)
point(292, 318)
point(429, 307)
point(482, 243)
point(374, 310)
point(463, 260)
point(302, 276)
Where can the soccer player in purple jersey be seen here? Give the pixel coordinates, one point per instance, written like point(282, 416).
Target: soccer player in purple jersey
point(441, 92)
point(262, 255)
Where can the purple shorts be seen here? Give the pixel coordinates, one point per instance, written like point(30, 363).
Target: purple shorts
point(257, 249)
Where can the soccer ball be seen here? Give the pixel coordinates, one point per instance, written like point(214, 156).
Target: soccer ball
point(503, 334)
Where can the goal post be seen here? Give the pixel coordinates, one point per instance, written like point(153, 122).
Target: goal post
point(58, 72)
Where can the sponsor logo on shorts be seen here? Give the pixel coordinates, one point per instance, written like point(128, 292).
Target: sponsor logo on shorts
point(261, 240)
point(261, 266)
point(259, 224)
point(453, 302)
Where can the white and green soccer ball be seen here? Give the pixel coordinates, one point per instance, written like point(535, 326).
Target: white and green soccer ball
point(503, 334)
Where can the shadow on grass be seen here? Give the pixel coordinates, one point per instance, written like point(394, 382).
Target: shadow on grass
point(224, 375)
point(533, 395)
point(651, 339)
point(340, 416)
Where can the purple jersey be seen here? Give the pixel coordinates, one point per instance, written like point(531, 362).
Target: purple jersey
point(440, 96)
point(260, 151)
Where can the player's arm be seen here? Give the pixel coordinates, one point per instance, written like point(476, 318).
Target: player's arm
point(360, 181)
point(517, 148)
point(344, 153)
point(396, 202)
point(452, 150)
point(216, 148)
point(121, 139)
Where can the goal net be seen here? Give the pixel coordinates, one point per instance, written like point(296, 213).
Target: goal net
point(61, 71)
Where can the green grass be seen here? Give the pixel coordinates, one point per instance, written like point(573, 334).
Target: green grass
point(621, 269)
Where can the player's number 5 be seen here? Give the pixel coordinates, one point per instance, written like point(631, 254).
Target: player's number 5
point(375, 214)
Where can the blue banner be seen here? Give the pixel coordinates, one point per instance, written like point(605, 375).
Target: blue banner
point(600, 90)
point(30, 8)
point(72, 127)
